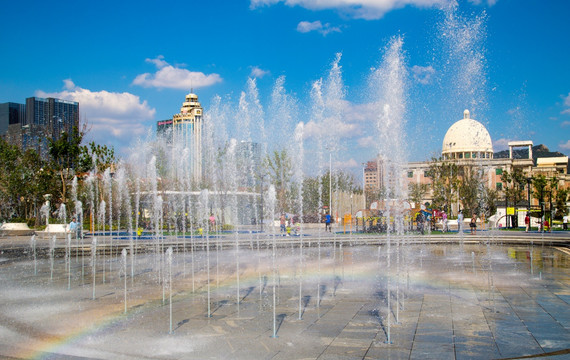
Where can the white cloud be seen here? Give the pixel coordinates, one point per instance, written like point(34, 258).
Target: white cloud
point(423, 74)
point(305, 27)
point(356, 120)
point(333, 127)
point(257, 72)
point(565, 146)
point(501, 144)
point(565, 123)
point(159, 61)
point(113, 118)
point(172, 77)
point(367, 142)
point(479, 2)
point(348, 164)
point(360, 112)
point(567, 100)
point(359, 9)
point(566, 104)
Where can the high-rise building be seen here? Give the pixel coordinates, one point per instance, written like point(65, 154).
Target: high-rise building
point(11, 119)
point(47, 119)
point(31, 125)
point(187, 132)
point(164, 129)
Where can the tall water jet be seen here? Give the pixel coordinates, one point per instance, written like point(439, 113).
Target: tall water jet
point(108, 184)
point(169, 281)
point(271, 204)
point(34, 254)
point(68, 261)
point(51, 257)
point(62, 214)
point(462, 40)
point(233, 186)
point(94, 263)
point(202, 215)
point(124, 205)
point(101, 213)
point(388, 86)
point(298, 181)
point(334, 106)
point(124, 273)
point(317, 115)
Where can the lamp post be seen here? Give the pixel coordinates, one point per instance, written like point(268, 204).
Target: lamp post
point(330, 184)
point(528, 181)
point(550, 209)
point(351, 212)
point(261, 191)
point(506, 205)
point(542, 209)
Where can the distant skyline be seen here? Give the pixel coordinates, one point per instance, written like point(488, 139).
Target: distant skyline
point(130, 64)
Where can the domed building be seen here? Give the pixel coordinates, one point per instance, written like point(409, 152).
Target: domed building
point(468, 144)
point(467, 139)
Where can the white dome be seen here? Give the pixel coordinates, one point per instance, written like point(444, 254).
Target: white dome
point(467, 138)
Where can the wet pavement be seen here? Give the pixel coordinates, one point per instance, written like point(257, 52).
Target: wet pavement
point(478, 300)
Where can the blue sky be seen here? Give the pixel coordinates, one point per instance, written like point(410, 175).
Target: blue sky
point(130, 63)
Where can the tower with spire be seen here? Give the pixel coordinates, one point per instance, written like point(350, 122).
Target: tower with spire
point(187, 132)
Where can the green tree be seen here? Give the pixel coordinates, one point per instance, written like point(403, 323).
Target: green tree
point(96, 156)
point(9, 155)
point(539, 183)
point(445, 182)
point(280, 171)
point(514, 186)
point(24, 179)
point(417, 192)
point(342, 181)
point(489, 201)
point(65, 153)
point(469, 191)
point(561, 207)
point(552, 190)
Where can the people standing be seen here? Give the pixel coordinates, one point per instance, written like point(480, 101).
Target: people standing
point(282, 221)
point(444, 221)
point(473, 224)
point(527, 222)
point(328, 222)
point(460, 222)
point(420, 220)
point(73, 227)
point(565, 222)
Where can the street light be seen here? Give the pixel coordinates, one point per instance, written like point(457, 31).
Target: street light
point(528, 181)
point(330, 184)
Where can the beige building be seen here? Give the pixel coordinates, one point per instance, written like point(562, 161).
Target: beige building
point(187, 131)
point(468, 144)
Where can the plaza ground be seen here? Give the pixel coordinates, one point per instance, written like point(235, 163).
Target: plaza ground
point(494, 295)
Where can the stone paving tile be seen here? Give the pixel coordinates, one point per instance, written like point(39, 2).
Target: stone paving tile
point(380, 350)
point(440, 351)
point(347, 347)
point(467, 352)
point(515, 344)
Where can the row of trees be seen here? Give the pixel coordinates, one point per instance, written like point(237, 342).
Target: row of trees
point(316, 190)
point(25, 176)
point(465, 184)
